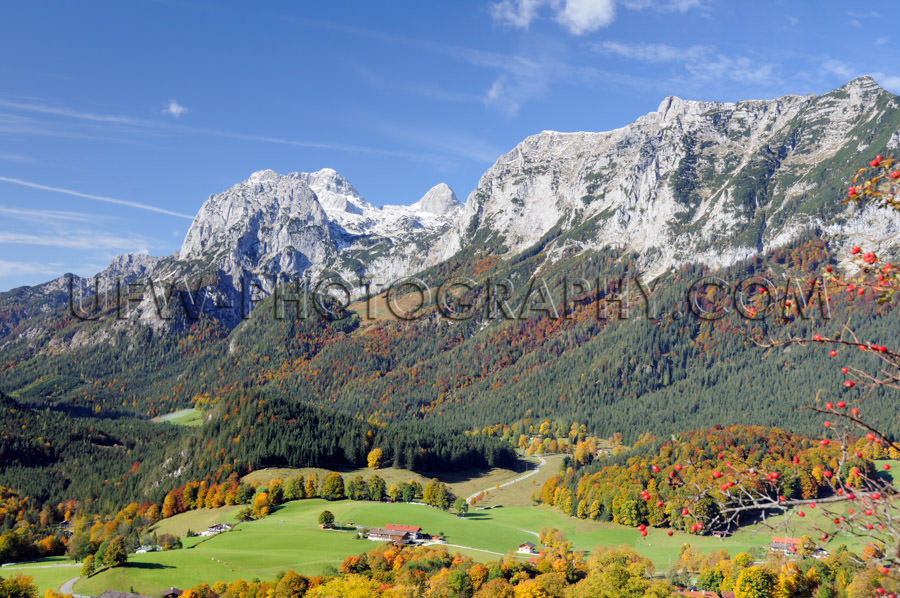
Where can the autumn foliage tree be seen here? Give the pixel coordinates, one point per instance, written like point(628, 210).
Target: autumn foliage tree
point(261, 506)
point(332, 487)
point(374, 458)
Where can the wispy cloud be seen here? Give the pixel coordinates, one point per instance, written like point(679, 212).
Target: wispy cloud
point(173, 108)
point(102, 198)
point(315, 145)
point(7, 157)
point(838, 68)
point(740, 69)
point(19, 124)
point(450, 141)
point(664, 5)
point(69, 113)
point(13, 268)
point(702, 63)
point(653, 52)
point(435, 92)
point(136, 124)
point(49, 215)
point(518, 79)
point(88, 240)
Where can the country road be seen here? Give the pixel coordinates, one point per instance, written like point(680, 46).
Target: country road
point(66, 588)
point(511, 482)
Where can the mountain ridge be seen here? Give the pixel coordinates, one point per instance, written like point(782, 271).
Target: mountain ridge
point(616, 174)
point(692, 182)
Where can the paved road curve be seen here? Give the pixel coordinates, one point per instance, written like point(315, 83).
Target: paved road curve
point(511, 482)
point(66, 588)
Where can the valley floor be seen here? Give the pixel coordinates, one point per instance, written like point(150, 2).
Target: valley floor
point(290, 539)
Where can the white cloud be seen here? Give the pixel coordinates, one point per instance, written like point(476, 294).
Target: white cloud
point(516, 13)
point(792, 20)
point(579, 16)
point(585, 16)
point(651, 52)
point(173, 108)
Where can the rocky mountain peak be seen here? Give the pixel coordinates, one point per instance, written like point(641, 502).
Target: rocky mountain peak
point(438, 200)
point(262, 176)
point(129, 266)
point(862, 83)
point(262, 214)
point(334, 191)
point(673, 107)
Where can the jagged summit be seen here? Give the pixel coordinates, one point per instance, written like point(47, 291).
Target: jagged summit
point(334, 191)
point(438, 200)
point(128, 266)
point(305, 223)
point(261, 176)
point(693, 181)
point(865, 82)
point(260, 216)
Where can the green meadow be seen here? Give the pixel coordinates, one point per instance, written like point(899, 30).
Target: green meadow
point(290, 539)
point(48, 574)
point(184, 417)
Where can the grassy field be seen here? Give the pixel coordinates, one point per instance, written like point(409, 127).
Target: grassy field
point(48, 574)
point(197, 521)
point(519, 495)
point(463, 483)
point(290, 539)
point(184, 417)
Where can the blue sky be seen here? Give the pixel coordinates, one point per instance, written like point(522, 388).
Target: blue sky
point(118, 119)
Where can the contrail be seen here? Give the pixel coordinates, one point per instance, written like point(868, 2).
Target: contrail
point(121, 202)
